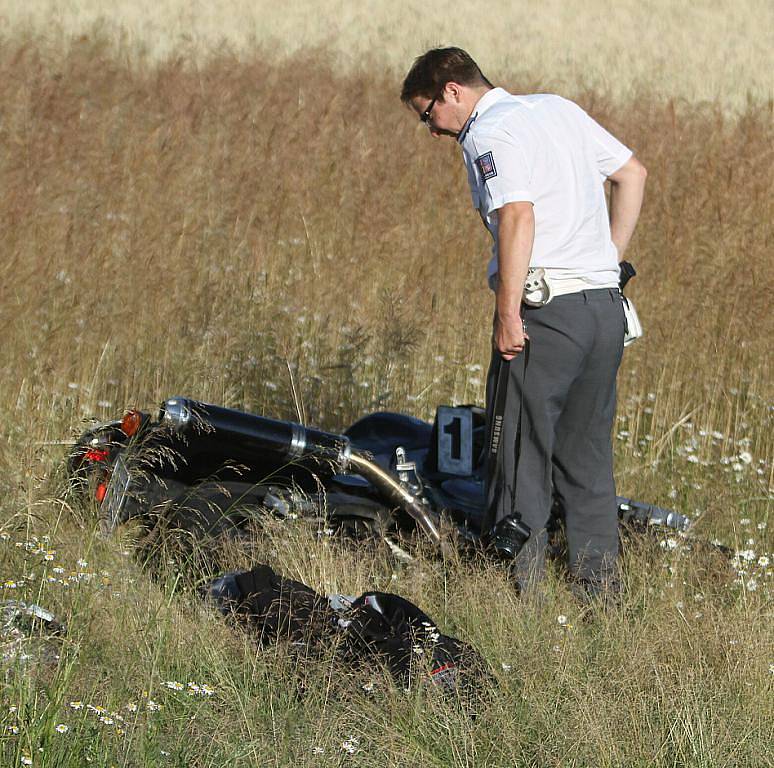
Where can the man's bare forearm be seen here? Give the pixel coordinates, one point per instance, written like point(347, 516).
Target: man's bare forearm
point(626, 193)
point(515, 236)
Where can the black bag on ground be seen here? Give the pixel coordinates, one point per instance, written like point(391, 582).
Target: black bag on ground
point(390, 629)
point(377, 628)
point(273, 607)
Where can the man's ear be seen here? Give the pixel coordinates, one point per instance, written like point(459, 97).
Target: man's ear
point(452, 92)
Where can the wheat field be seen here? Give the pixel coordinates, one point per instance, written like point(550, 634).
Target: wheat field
point(699, 51)
point(216, 221)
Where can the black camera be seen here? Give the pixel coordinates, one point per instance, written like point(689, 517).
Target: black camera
point(508, 537)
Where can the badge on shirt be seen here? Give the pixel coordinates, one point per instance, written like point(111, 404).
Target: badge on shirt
point(486, 165)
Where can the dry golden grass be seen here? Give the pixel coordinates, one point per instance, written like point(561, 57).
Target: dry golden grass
point(170, 227)
point(198, 228)
point(697, 51)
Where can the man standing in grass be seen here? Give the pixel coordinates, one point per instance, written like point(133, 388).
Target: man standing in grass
point(537, 167)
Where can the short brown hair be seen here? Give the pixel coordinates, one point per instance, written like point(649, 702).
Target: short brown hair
point(432, 70)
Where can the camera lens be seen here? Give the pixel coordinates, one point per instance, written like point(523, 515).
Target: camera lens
point(509, 536)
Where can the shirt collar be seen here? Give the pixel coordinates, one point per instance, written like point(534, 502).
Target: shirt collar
point(490, 98)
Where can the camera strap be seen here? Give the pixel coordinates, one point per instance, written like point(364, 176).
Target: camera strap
point(495, 470)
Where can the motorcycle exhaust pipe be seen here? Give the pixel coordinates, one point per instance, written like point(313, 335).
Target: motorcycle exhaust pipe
point(245, 434)
point(396, 493)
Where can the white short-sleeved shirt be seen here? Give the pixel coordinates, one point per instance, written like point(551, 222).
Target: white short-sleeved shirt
point(546, 150)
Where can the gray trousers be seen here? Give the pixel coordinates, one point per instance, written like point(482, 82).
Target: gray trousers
point(566, 396)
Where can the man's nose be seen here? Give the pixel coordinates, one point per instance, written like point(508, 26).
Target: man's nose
point(434, 132)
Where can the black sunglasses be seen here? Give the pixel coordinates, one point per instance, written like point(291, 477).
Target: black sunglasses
point(425, 116)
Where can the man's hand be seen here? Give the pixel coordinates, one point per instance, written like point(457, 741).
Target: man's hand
point(509, 337)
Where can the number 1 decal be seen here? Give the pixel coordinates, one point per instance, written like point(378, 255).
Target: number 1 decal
point(455, 441)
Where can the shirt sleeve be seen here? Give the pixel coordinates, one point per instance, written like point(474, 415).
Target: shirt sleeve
point(504, 175)
point(610, 154)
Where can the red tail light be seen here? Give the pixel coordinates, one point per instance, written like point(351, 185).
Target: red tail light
point(130, 424)
point(100, 492)
point(96, 454)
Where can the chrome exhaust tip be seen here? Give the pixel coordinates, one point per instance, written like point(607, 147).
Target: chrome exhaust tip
point(176, 413)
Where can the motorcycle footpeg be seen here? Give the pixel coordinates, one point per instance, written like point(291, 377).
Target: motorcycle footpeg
point(508, 537)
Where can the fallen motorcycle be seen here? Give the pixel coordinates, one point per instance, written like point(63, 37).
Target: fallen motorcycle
point(211, 471)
